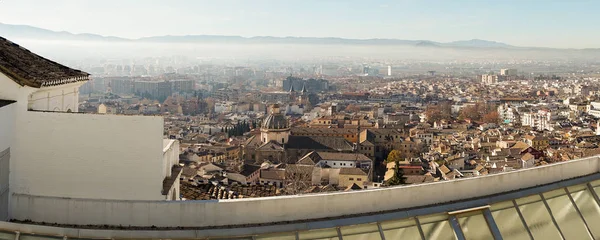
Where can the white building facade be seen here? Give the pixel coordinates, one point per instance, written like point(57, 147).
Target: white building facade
point(540, 120)
point(509, 114)
point(508, 72)
point(489, 78)
point(50, 150)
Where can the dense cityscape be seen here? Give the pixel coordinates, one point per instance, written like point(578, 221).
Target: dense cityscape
point(299, 120)
point(437, 125)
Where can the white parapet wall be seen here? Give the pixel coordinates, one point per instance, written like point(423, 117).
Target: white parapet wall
point(286, 208)
point(88, 156)
point(7, 126)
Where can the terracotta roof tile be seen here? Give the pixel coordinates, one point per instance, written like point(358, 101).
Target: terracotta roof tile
point(30, 69)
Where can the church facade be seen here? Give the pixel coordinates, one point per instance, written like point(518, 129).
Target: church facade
point(276, 144)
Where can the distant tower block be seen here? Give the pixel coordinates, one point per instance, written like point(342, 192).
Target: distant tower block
point(432, 73)
point(389, 70)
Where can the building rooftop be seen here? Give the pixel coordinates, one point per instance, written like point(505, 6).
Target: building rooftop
point(319, 143)
point(274, 174)
point(335, 156)
point(29, 69)
point(275, 120)
point(352, 171)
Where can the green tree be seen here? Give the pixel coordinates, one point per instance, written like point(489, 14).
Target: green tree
point(246, 126)
point(209, 131)
point(394, 156)
point(398, 177)
point(240, 129)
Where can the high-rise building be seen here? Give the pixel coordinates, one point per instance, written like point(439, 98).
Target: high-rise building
point(510, 72)
point(165, 89)
point(389, 70)
point(183, 85)
point(489, 78)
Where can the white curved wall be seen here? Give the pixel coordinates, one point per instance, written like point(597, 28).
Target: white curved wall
point(56, 98)
point(287, 208)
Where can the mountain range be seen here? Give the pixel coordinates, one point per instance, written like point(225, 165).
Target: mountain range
point(11, 31)
point(30, 32)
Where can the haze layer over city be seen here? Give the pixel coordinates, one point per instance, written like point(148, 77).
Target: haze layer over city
point(266, 119)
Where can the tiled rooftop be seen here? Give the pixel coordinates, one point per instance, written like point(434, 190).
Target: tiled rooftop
point(29, 69)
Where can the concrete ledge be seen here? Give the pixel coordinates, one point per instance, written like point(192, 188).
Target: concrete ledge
point(233, 231)
point(287, 208)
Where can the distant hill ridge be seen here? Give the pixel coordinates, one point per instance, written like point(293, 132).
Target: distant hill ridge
point(29, 32)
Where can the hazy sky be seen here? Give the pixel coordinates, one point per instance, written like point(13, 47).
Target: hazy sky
point(544, 23)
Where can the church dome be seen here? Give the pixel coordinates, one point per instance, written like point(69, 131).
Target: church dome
point(275, 120)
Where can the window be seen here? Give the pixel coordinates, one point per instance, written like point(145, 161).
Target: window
point(328, 233)
point(360, 232)
point(564, 212)
point(505, 212)
point(403, 229)
point(334, 164)
point(351, 179)
point(584, 200)
point(437, 227)
point(474, 225)
point(350, 164)
point(358, 179)
point(537, 217)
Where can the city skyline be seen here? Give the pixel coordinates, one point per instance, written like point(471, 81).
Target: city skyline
point(214, 136)
point(554, 24)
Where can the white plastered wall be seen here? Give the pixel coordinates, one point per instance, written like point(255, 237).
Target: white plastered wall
point(81, 155)
point(7, 121)
point(88, 156)
point(9, 90)
point(56, 98)
point(7, 126)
